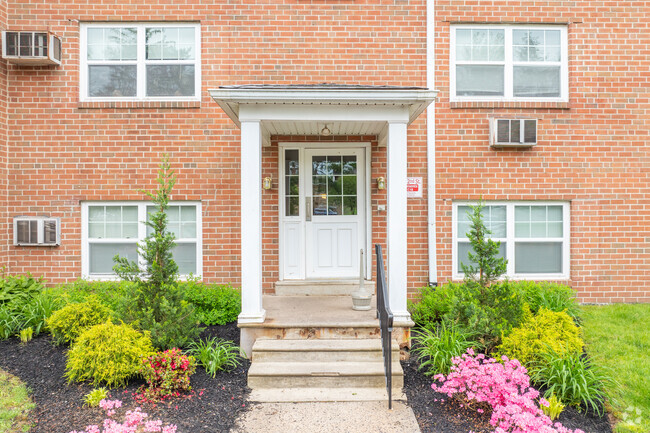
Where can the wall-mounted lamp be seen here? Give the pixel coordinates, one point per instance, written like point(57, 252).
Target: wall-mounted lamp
point(325, 131)
point(381, 183)
point(266, 184)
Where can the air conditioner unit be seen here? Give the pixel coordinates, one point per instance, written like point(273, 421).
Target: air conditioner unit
point(37, 231)
point(31, 48)
point(513, 132)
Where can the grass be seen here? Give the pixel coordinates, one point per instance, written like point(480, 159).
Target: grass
point(15, 405)
point(617, 337)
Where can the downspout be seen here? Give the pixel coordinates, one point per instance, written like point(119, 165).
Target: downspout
point(431, 147)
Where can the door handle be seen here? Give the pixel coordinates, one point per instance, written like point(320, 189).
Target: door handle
point(308, 208)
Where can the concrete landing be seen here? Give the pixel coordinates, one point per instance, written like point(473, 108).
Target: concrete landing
point(348, 417)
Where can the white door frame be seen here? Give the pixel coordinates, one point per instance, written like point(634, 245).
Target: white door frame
point(325, 146)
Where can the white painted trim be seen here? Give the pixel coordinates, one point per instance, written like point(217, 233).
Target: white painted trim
point(396, 221)
point(251, 223)
point(142, 233)
point(510, 238)
point(140, 62)
point(508, 63)
point(323, 104)
point(431, 147)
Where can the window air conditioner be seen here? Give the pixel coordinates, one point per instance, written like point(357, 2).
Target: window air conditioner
point(513, 132)
point(31, 48)
point(37, 231)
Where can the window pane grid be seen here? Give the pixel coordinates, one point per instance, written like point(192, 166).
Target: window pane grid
point(334, 185)
point(535, 243)
point(521, 63)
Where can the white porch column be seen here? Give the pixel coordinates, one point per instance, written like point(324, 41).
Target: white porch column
point(396, 220)
point(251, 223)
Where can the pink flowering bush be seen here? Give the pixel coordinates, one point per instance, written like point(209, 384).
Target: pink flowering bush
point(505, 387)
point(135, 421)
point(167, 374)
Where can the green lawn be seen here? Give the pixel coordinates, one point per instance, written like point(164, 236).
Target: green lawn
point(15, 405)
point(618, 337)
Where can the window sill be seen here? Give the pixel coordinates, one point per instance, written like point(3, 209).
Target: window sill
point(138, 104)
point(510, 104)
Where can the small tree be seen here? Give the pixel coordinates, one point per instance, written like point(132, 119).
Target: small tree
point(485, 266)
point(158, 305)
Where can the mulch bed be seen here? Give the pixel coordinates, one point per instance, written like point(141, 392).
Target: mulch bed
point(213, 405)
point(437, 413)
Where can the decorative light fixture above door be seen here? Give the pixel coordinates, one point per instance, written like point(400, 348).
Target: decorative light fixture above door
point(325, 131)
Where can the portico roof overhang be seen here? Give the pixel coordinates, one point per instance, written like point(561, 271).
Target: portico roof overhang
point(305, 109)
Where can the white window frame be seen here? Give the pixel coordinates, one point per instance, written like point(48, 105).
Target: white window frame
point(142, 233)
point(140, 62)
point(509, 64)
point(510, 239)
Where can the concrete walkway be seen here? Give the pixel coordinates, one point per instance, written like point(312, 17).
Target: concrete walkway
point(343, 417)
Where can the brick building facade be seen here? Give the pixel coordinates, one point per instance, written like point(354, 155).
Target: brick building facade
point(77, 143)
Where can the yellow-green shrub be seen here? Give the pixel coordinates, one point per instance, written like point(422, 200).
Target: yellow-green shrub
point(547, 329)
point(70, 321)
point(108, 354)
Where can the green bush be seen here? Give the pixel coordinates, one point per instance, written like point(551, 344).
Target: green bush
point(433, 303)
point(214, 304)
point(93, 398)
point(552, 296)
point(573, 378)
point(216, 354)
point(67, 323)
point(435, 348)
point(108, 354)
point(17, 290)
point(488, 313)
point(547, 330)
point(113, 294)
point(33, 313)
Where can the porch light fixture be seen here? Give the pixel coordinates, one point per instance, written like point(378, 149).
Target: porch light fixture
point(266, 184)
point(325, 131)
point(381, 183)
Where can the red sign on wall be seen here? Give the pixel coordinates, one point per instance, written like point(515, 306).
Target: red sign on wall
point(414, 187)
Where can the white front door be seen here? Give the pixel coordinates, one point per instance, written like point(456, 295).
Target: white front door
point(325, 213)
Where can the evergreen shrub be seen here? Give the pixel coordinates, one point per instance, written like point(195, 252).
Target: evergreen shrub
point(67, 323)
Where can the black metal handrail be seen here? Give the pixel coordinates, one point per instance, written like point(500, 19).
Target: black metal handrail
point(385, 317)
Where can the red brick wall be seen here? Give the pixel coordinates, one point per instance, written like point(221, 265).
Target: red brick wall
point(5, 228)
point(62, 152)
point(592, 151)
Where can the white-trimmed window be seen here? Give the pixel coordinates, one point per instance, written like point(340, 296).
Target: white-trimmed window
point(534, 237)
point(137, 61)
point(111, 228)
point(509, 62)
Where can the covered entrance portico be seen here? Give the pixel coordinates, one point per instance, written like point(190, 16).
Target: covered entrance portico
point(326, 219)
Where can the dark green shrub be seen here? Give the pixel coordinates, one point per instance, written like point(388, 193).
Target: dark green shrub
point(435, 348)
point(15, 317)
point(67, 323)
point(214, 304)
point(573, 378)
point(157, 305)
point(487, 313)
point(108, 354)
point(432, 304)
point(547, 330)
point(552, 296)
point(216, 354)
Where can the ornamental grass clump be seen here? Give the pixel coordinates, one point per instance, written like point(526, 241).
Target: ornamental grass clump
point(167, 374)
point(505, 387)
point(436, 348)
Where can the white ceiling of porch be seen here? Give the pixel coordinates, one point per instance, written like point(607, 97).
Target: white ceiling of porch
point(315, 128)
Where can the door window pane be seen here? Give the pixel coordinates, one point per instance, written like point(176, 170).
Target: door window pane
point(334, 185)
point(292, 183)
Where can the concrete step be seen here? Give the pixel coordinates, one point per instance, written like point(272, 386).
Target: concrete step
point(321, 287)
point(322, 375)
point(323, 350)
point(299, 395)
